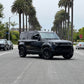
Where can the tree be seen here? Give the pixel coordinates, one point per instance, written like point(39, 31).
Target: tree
point(1, 9)
point(59, 23)
point(69, 4)
point(13, 24)
point(25, 7)
point(14, 36)
point(18, 7)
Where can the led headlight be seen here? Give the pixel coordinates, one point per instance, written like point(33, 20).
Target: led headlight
point(56, 44)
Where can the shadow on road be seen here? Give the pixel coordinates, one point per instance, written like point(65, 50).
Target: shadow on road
point(54, 58)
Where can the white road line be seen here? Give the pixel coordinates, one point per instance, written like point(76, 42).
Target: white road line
point(21, 75)
point(5, 53)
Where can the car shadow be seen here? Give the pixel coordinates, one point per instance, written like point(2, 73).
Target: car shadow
point(55, 58)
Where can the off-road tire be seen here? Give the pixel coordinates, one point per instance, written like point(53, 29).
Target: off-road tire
point(46, 53)
point(22, 52)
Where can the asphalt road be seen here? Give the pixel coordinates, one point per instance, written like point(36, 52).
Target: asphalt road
point(33, 70)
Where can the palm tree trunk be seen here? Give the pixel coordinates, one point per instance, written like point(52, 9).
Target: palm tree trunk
point(19, 23)
point(72, 22)
point(29, 22)
point(68, 20)
point(65, 23)
point(63, 30)
point(26, 22)
point(60, 30)
point(23, 21)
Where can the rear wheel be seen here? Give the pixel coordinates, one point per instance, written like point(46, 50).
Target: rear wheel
point(46, 53)
point(22, 52)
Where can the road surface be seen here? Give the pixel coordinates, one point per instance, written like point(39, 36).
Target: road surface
point(33, 70)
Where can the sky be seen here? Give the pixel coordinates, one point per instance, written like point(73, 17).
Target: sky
point(46, 10)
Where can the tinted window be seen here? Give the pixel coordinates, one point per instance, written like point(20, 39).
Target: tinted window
point(49, 35)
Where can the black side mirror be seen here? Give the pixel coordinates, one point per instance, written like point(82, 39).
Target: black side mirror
point(36, 38)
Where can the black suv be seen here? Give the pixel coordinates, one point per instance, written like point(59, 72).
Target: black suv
point(4, 44)
point(46, 44)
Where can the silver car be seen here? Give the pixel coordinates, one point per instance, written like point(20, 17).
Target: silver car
point(80, 45)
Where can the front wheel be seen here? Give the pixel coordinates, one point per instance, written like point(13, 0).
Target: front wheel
point(22, 52)
point(67, 56)
point(46, 53)
point(5, 48)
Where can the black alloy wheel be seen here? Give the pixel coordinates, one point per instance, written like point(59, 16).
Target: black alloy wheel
point(22, 52)
point(5, 48)
point(68, 56)
point(46, 53)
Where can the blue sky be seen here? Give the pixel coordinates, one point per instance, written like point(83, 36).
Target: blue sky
point(46, 10)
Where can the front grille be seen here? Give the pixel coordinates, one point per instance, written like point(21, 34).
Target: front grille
point(63, 48)
point(64, 44)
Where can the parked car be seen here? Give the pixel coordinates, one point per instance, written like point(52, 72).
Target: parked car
point(80, 45)
point(46, 44)
point(10, 44)
point(4, 44)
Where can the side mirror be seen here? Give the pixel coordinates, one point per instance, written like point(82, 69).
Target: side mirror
point(36, 38)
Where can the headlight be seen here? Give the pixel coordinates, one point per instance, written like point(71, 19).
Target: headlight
point(56, 44)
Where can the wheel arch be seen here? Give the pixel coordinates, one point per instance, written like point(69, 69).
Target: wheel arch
point(47, 45)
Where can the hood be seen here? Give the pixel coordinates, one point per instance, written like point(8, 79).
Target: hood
point(1, 43)
point(60, 41)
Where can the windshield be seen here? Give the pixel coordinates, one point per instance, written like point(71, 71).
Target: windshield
point(2, 41)
point(48, 35)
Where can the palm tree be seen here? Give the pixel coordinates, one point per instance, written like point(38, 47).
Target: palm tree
point(69, 4)
point(25, 10)
point(1, 9)
point(29, 4)
point(59, 23)
point(64, 4)
point(32, 14)
point(72, 21)
point(19, 6)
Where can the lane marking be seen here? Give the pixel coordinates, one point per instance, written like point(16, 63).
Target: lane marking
point(7, 52)
point(21, 75)
point(4, 53)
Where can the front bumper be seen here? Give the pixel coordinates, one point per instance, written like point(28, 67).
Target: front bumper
point(61, 50)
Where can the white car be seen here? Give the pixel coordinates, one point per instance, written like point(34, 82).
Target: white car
point(80, 45)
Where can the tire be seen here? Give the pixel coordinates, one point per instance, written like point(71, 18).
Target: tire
point(22, 52)
point(5, 48)
point(67, 56)
point(46, 53)
point(12, 48)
